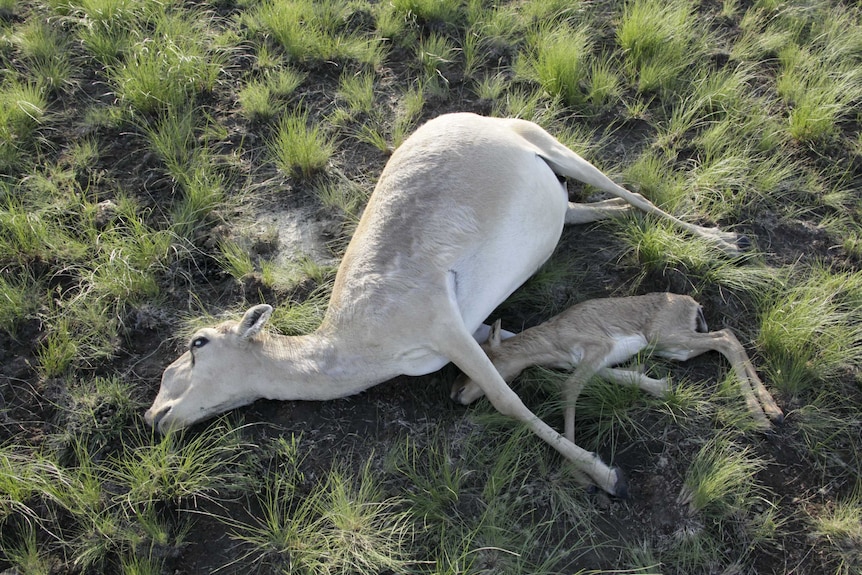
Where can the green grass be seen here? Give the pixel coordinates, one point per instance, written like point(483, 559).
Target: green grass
point(313, 31)
point(235, 260)
point(163, 71)
point(18, 297)
point(260, 99)
point(433, 55)
point(840, 527)
point(357, 91)
point(720, 482)
point(173, 469)
point(562, 63)
point(341, 525)
point(305, 317)
point(653, 175)
point(22, 107)
point(98, 412)
point(45, 50)
point(811, 331)
point(657, 248)
point(143, 145)
point(300, 147)
point(343, 195)
point(256, 101)
point(658, 40)
point(428, 11)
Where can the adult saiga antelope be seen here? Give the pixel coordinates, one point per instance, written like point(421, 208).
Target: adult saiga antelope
point(464, 212)
point(596, 334)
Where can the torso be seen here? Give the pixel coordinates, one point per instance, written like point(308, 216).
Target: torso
point(491, 213)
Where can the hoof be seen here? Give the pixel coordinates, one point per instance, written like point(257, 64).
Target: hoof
point(743, 243)
point(456, 394)
point(621, 487)
point(778, 419)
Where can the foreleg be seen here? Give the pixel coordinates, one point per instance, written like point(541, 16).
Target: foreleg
point(592, 362)
point(463, 350)
point(654, 387)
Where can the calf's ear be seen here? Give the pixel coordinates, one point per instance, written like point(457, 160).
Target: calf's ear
point(496, 337)
point(253, 321)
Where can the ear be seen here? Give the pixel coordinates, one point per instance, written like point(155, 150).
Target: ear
point(494, 338)
point(253, 321)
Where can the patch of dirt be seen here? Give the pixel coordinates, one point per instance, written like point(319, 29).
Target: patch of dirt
point(788, 241)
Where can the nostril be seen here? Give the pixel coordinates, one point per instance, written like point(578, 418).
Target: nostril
point(157, 417)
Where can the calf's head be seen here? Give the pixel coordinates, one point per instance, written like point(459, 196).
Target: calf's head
point(465, 391)
point(210, 377)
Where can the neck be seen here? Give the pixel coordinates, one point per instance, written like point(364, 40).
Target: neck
point(309, 367)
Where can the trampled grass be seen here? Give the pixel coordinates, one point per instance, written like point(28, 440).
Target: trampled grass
point(138, 138)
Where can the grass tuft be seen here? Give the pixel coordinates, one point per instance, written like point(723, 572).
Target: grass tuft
point(562, 63)
point(165, 69)
point(339, 526)
point(810, 333)
point(46, 50)
point(658, 40)
point(839, 527)
point(22, 107)
point(174, 468)
point(299, 148)
point(720, 481)
point(315, 31)
point(18, 300)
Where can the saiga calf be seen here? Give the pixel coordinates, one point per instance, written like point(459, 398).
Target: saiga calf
point(596, 334)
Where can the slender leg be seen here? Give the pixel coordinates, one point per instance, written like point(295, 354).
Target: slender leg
point(460, 347)
point(735, 353)
point(686, 346)
point(567, 163)
point(655, 387)
point(571, 390)
point(595, 211)
point(481, 334)
point(593, 361)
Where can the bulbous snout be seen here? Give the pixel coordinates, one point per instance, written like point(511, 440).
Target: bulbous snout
point(159, 416)
point(154, 416)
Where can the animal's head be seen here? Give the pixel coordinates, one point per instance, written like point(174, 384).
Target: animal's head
point(465, 391)
point(211, 376)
